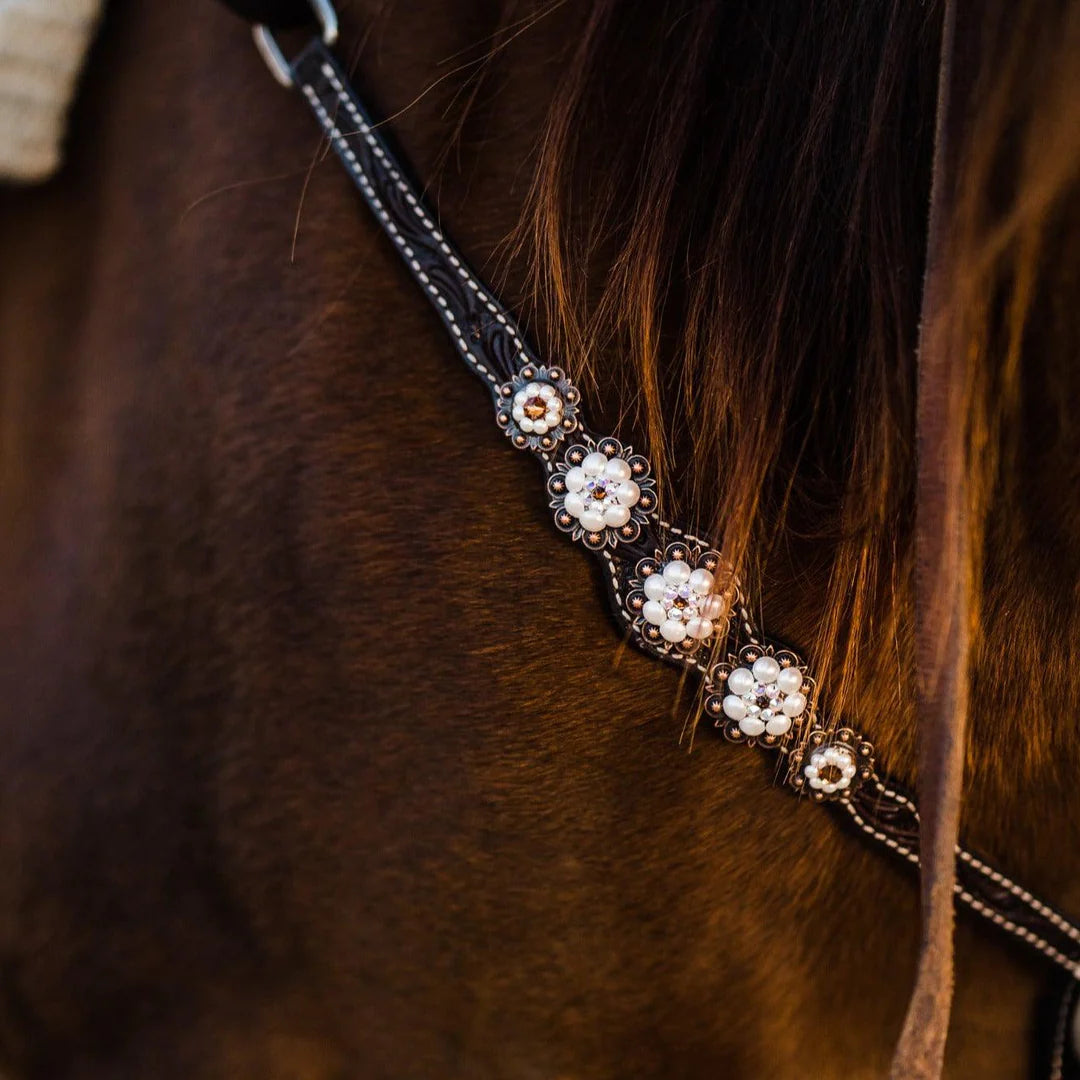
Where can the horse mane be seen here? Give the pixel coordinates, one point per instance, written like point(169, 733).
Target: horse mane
point(737, 231)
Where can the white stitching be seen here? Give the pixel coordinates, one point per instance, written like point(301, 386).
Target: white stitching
point(354, 166)
point(1047, 912)
point(463, 271)
point(973, 902)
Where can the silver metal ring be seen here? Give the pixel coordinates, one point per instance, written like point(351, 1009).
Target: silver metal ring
point(271, 52)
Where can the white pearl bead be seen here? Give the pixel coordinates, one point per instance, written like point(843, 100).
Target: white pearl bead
point(790, 680)
point(526, 424)
point(575, 479)
point(740, 681)
point(617, 469)
point(672, 630)
point(532, 389)
point(816, 783)
point(751, 726)
point(778, 725)
point(592, 520)
point(628, 493)
point(654, 612)
point(734, 707)
point(518, 412)
point(817, 760)
point(551, 418)
point(849, 771)
point(615, 517)
point(766, 669)
point(794, 705)
point(520, 397)
point(676, 572)
point(701, 581)
point(655, 586)
point(574, 503)
point(713, 607)
point(540, 427)
point(594, 464)
point(547, 392)
point(810, 771)
point(699, 628)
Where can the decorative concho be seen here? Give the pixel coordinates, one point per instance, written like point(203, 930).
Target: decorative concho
point(677, 601)
point(537, 407)
point(760, 696)
point(602, 497)
point(830, 764)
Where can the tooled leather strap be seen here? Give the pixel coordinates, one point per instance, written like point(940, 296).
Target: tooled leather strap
point(495, 350)
point(273, 13)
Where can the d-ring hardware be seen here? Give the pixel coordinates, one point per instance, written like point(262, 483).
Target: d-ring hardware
point(271, 52)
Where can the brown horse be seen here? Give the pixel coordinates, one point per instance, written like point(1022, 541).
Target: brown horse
point(322, 757)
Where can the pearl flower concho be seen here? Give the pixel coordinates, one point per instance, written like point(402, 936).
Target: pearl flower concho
point(674, 599)
point(830, 769)
point(537, 407)
point(602, 496)
point(831, 765)
point(760, 697)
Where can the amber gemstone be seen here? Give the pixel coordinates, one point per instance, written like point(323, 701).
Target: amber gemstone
point(830, 774)
point(535, 408)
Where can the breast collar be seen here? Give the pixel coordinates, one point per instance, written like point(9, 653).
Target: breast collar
point(668, 588)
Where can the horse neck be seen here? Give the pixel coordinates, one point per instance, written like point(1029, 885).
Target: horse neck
point(234, 466)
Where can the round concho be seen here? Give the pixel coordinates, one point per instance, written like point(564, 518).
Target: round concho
point(602, 496)
point(680, 599)
point(761, 695)
point(537, 408)
point(830, 765)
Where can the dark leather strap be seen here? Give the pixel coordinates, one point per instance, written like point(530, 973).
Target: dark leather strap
point(494, 348)
point(483, 332)
point(278, 14)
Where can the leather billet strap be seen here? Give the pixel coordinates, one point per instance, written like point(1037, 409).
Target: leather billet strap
point(277, 14)
point(484, 334)
point(494, 349)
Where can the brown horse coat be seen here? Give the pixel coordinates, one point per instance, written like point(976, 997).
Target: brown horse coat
point(321, 757)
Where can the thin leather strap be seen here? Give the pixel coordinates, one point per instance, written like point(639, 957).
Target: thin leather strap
point(279, 14)
point(942, 608)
